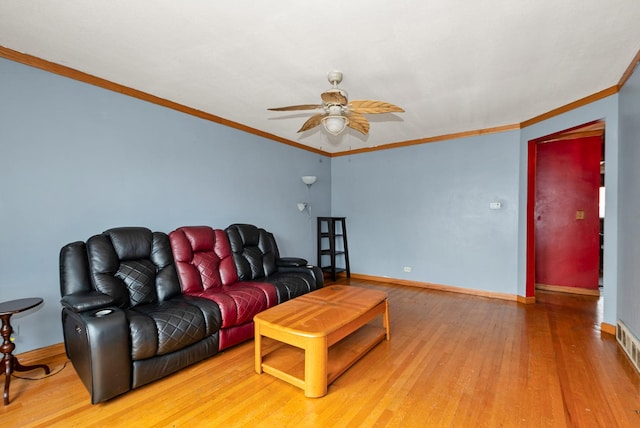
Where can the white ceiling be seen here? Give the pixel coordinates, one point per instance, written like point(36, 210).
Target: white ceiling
point(453, 65)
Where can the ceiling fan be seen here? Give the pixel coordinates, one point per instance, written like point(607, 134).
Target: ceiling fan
point(338, 112)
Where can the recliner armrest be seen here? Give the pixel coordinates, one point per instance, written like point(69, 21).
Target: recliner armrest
point(86, 301)
point(97, 343)
point(315, 271)
point(290, 262)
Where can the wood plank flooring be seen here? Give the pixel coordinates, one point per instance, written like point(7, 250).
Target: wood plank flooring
point(453, 360)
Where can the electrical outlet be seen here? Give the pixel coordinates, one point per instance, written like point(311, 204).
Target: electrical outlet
point(407, 269)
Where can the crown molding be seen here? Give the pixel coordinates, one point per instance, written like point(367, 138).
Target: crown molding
point(74, 74)
point(71, 73)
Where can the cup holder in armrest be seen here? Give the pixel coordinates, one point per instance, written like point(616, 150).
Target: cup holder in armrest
point(103, 312)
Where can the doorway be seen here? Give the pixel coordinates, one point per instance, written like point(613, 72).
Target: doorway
point(564, 221)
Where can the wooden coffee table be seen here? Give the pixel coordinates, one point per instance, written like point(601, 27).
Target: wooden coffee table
point(311, 340)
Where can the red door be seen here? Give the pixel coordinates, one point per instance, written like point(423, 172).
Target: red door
point(567, 222)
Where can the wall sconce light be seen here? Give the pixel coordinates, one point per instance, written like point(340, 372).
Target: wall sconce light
point(309, 180)
point(304, 206)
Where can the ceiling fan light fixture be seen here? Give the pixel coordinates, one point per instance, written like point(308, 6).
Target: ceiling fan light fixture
point(335, 124)
point(338, 112)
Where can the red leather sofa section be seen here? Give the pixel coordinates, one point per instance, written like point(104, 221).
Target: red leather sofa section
point(206, 268)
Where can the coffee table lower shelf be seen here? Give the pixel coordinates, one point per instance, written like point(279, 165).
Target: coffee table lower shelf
point(287, 362)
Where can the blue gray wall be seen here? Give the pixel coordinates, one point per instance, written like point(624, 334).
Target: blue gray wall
point(427, 207)
point(629, 207)
point(76, 160)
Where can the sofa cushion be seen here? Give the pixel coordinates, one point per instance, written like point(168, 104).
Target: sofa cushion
point(158, 329)
point(203, 258)
point(206, 269)
point(139, 277)
point(254, 251)
point(240, 302)
point(291, 285)
point(132, 265)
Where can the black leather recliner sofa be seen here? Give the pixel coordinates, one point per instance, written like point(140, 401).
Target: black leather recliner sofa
point(125, 320)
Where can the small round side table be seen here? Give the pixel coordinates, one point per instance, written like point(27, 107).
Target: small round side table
point(9, 362)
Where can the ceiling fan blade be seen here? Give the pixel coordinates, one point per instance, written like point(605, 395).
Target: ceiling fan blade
point(312, 122)
point(300, 107)
point(358, 122)
point(372, 107)
point(334, 96)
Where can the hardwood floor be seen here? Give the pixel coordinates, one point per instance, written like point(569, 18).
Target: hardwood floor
point(453, 360)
